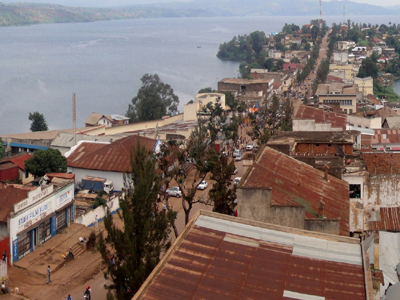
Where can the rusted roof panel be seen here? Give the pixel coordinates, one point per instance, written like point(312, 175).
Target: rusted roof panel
point(320, 116)
point(382, 163)
point(223, 259)
point(8, 197)
point(295, 183)
point(389, 219)
point(108, 157)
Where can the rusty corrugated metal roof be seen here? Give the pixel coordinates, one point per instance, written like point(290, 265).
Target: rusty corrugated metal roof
point(108, 157)
point(295, 183)
point(8, 197)
point(320, 116)
point(228, 258)
point(382, 163)
point(389, 219)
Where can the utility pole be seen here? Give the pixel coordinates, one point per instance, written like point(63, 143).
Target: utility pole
point(74, 115)
point(344, 14)
point(320, 13)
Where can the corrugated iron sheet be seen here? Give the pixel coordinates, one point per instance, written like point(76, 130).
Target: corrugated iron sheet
point(389, 220)
point(382, 163)
point(320, 116)
point(108, 157)
point(213, 264)
point(295, 183)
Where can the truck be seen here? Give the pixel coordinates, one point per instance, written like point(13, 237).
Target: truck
point(97, 184)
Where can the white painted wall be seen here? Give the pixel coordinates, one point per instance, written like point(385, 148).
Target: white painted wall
point(116, 177)
point(89, 219)
point(310, 125)
point(382, 191)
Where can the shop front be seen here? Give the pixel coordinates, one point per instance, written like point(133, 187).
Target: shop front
point(39, 222)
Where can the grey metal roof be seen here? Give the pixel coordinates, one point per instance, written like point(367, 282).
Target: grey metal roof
point(65, 139)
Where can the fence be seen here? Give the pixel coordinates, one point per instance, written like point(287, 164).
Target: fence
point(3, 269)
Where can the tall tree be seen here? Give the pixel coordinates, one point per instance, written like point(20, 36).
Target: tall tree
point(154, 100)
point(46, 161)
point(137, 248)
point(38, 122)
point(368, 68)
point(2, 149)
point(222, 193)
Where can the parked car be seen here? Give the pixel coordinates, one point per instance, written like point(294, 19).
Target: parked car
point(202, 185)
point(239, 157)
point(237, 152)
point(237, 180)
point(250, 146)
point(174, 191)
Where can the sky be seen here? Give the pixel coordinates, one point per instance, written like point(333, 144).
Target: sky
point(111, 3)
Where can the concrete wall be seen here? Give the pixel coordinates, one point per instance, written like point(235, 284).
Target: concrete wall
point(290, 216)
point(136, 126)
point(365, 86)
point(254, 204)
point(89, 219)
point(360, 122)
point(329, 226)
point(382, 190)
point(348, 69)
point(310, 125)
point(340, 98)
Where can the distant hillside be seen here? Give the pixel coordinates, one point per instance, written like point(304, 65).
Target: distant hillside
point(26, 14)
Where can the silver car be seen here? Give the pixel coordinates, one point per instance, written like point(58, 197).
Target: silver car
point(174, 191)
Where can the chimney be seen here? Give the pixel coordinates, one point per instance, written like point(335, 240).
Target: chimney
point(321, 208)
point(326, 170)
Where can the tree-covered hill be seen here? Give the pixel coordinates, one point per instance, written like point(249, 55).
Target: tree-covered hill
point(29, 13)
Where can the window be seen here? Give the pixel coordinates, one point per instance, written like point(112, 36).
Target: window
point(355, 191)
point(44, 231)
point(24, 243)
point(61, 221)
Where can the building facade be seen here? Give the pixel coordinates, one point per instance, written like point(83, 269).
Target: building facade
point(36, 219)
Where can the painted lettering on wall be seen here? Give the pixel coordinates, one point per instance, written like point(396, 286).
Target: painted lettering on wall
point(39, 212)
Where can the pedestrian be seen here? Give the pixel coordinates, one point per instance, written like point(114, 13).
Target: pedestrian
point(48, 275)
point(3, 288)
point(96, 220)
point(68, 297)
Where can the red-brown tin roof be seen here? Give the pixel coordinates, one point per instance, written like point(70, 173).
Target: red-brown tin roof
point(108, 157)
point(219, 258)
point(295, 183)
point(320, 116)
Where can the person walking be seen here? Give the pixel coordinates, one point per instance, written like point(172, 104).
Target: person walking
point(68, 297)
point(48, 275)
point(96, 221)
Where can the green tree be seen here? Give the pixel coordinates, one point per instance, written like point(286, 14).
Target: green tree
point(154, 100)
point(38, 122)
point(222, 193)
point(138, 246)
point(295, 60)
point(2, 149)
point(258, 41)
point(205, 90)
point(46, 161)
point(368, 68)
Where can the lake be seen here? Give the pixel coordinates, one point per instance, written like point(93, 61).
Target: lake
point(102, 62)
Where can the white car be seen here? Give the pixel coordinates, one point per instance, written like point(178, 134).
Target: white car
point(202, 185)
point(239, 157)
point(237, 180)
point(237, 152)
point(250, 146)
point(174, 191)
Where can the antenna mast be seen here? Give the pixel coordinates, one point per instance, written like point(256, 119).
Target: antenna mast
point(74, 115)
point(320, 13)
point(344, 14)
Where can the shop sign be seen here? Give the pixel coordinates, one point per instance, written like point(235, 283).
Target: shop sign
point(64, 198)
point(34, 216)
point(33, 197)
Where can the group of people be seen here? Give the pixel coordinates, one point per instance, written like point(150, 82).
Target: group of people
point(87, 293)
